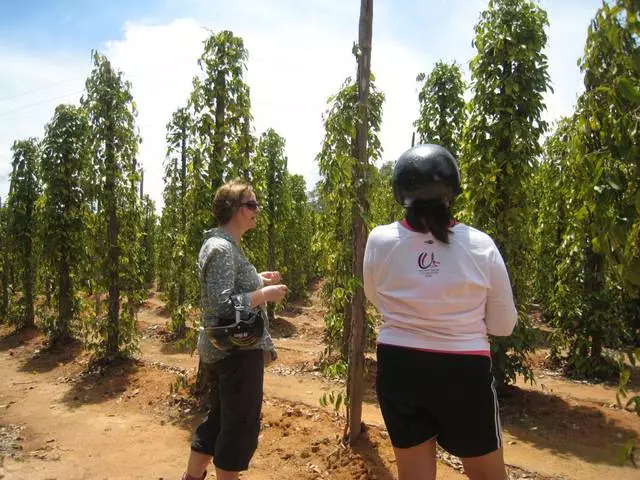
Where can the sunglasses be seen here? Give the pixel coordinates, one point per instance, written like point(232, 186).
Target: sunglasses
point(251, 205)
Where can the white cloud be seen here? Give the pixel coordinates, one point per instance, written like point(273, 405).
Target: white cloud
point(396, 67)
point(296, 60)
point(160, 61)
point(31, 86)
point(567, 34)
point(290, 83)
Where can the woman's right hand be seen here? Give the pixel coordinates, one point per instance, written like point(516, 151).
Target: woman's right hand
point(275, 293)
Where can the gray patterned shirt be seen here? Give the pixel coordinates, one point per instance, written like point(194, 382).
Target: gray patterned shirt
point(225, 274)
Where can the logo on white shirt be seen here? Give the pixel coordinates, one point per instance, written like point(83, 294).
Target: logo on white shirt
point(428, 264)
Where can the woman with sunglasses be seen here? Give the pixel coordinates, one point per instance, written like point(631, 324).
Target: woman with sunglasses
point(230, 284)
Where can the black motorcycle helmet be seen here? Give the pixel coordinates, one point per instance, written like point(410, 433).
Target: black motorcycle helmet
point(243, 330)
point(425, 172)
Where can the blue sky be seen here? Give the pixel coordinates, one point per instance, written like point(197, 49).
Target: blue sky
point(66, 25)
point(299, 54)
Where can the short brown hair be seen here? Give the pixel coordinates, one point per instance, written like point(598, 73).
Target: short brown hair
point(228, 199)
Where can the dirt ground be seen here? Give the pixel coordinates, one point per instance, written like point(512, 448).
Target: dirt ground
point(58, 420)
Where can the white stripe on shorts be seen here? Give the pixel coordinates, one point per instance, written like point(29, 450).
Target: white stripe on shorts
point(496, 409)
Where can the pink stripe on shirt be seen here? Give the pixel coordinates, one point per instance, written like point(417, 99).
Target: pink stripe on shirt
point(483, 353)
point(406, 225)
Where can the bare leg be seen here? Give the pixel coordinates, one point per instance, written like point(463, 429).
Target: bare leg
point(197, 464)
point(486, 467)
point(226, 475)
point(417, 463)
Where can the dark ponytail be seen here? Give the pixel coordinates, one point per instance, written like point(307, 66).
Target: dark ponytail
point(430, 216)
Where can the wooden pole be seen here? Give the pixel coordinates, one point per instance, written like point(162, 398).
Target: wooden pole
point(356, 350)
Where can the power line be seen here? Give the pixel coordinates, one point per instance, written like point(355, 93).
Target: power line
point(44, 87)
point(2, 114)
point(62, 82)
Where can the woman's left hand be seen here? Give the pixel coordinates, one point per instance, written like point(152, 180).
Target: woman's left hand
point(270, 278)
point(270, 356)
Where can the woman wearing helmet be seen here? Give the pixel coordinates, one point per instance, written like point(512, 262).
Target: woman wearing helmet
point(442, 288)
point(234, 340)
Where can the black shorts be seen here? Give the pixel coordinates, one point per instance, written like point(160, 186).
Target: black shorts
point(450, 397)
point(230, 431)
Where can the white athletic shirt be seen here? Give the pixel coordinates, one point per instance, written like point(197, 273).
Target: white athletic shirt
point(436, 296)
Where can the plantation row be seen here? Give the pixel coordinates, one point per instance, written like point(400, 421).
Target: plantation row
point(82, 243)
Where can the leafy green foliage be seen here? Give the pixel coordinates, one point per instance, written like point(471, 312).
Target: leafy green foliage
point(335, 400)
point(148, 242)
point(4, 263)
point(112, 113)
point(501, 144)
point(283, 239)
point(269, 180)
point(271, 155)
point(300, 262)
point(587, 215)
point(442, 107)
point(65, 161)
point(177, 276)
point(549, 214)
point(633, 358)
point(608, 113)
point(564, 216)
point(581, 302)
point(209, 142)
point(221, 106)
point(24, 190)
point(383, 207)
point(181, 382)
point(337, 196)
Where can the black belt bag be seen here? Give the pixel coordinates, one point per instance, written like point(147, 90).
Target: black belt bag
point(243, 331)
